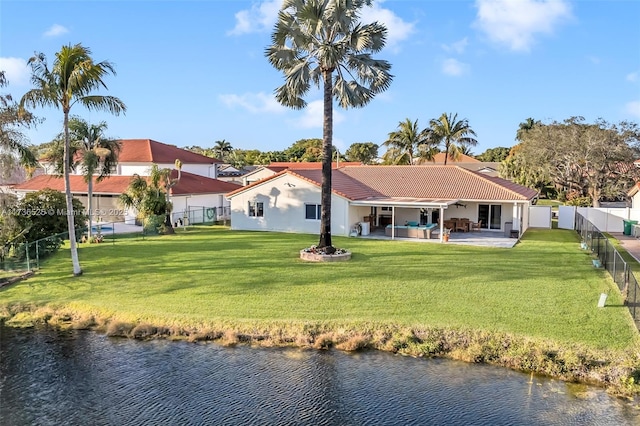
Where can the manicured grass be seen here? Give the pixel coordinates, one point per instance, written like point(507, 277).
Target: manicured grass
point(547, 202)
point(545, 287)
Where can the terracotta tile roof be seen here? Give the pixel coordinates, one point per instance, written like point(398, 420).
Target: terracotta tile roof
point(194, 184)
point(110, 185)
point(437, 182)
point(150, 151)
point(189, 184)
point(412, 183)
point(439, 159)
point(278, 166)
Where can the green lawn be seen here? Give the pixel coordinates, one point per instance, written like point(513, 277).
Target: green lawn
point(545, 287)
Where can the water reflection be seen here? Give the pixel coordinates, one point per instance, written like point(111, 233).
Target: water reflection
point(80, 378)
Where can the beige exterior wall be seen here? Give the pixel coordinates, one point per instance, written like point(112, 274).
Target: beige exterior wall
point(256, 175)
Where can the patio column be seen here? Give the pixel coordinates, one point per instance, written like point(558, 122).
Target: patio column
point(517, 217)
point(441, 218)
point(393, 222)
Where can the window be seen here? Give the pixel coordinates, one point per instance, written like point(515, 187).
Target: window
point(313, 211)
point(385, 209)
point(256, 209)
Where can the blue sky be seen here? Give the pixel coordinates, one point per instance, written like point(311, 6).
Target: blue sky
point(193, 72)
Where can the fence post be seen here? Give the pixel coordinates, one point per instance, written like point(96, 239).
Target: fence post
point(37, 255)
point(28, 263)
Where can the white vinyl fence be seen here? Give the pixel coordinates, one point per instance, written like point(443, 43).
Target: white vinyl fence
point(540, 217)
point(605, 219)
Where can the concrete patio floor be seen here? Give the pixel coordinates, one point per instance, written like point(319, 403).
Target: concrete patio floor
point(480, 239)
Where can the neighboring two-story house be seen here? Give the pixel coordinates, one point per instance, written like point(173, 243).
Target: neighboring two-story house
point(197, 190)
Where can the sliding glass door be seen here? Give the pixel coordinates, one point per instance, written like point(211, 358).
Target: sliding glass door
point(490, 215)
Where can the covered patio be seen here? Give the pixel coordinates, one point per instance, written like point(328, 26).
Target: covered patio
point(475, 238)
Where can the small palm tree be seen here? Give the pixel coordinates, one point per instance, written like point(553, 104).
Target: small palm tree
point(453, 134)
point(97, 154)
point(322, 43)
point(409, 144)
point(222, 149)
point(72, 80)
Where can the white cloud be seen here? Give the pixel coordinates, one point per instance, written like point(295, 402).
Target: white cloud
point(313, 115)
point(633, 108)
point(253, 102)
point(259, 18)
point(398, 30)
point(515, 24)
point(262, 17)
point(632, 77)
point(16, 71)
point(55, 31)
point(454, 67)
point(457, 47)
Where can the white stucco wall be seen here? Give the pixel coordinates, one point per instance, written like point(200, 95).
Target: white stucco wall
point(143, 169)
point(284, 200)
point(256, 175)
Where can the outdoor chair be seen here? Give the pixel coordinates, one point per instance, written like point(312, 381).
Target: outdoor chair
point(475, 226)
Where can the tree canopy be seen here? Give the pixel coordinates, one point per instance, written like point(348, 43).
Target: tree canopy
point(581, 159)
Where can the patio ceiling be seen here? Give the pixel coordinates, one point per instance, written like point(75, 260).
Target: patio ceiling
point(405, 202)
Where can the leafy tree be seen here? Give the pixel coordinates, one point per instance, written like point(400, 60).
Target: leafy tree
point(495, 155)
point(364, 152)
point(305, 150)
point(524, 127)
point(582, 159)
point(322, 42)
point(43, 214)
point(12, 140)
point(74, 78)
point(452, 134)
point(409, 144)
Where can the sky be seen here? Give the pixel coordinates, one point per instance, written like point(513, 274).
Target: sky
point(194, 72)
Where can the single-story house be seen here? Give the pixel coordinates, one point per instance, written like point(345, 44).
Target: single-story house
point(289, 201)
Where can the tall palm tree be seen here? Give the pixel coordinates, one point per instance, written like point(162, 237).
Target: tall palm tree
point(72, 80)
point(96, 153)
point(409, 144)
point(322, 42)
point(453, 134)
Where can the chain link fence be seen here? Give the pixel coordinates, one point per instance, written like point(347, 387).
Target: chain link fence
point(612, 261)
point(25, 256)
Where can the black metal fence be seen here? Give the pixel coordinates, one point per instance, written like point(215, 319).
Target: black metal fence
point(612, 261)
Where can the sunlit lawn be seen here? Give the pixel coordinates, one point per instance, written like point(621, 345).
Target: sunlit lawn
point(545, 287)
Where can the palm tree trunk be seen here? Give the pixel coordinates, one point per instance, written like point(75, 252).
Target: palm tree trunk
point(67, 190)
point(327, 142)
point(90, 204)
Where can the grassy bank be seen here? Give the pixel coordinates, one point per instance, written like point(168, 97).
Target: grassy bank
point(532, 307)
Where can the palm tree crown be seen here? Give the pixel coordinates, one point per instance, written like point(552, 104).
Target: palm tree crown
point(322, 42)
point(454, 134)
point(409, 144)
point(73, 78)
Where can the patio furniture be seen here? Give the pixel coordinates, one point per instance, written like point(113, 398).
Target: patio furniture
point(475, 226)
point(422, 231)
point(463, 225)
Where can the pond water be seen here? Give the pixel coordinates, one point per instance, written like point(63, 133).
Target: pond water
point(50, 377)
